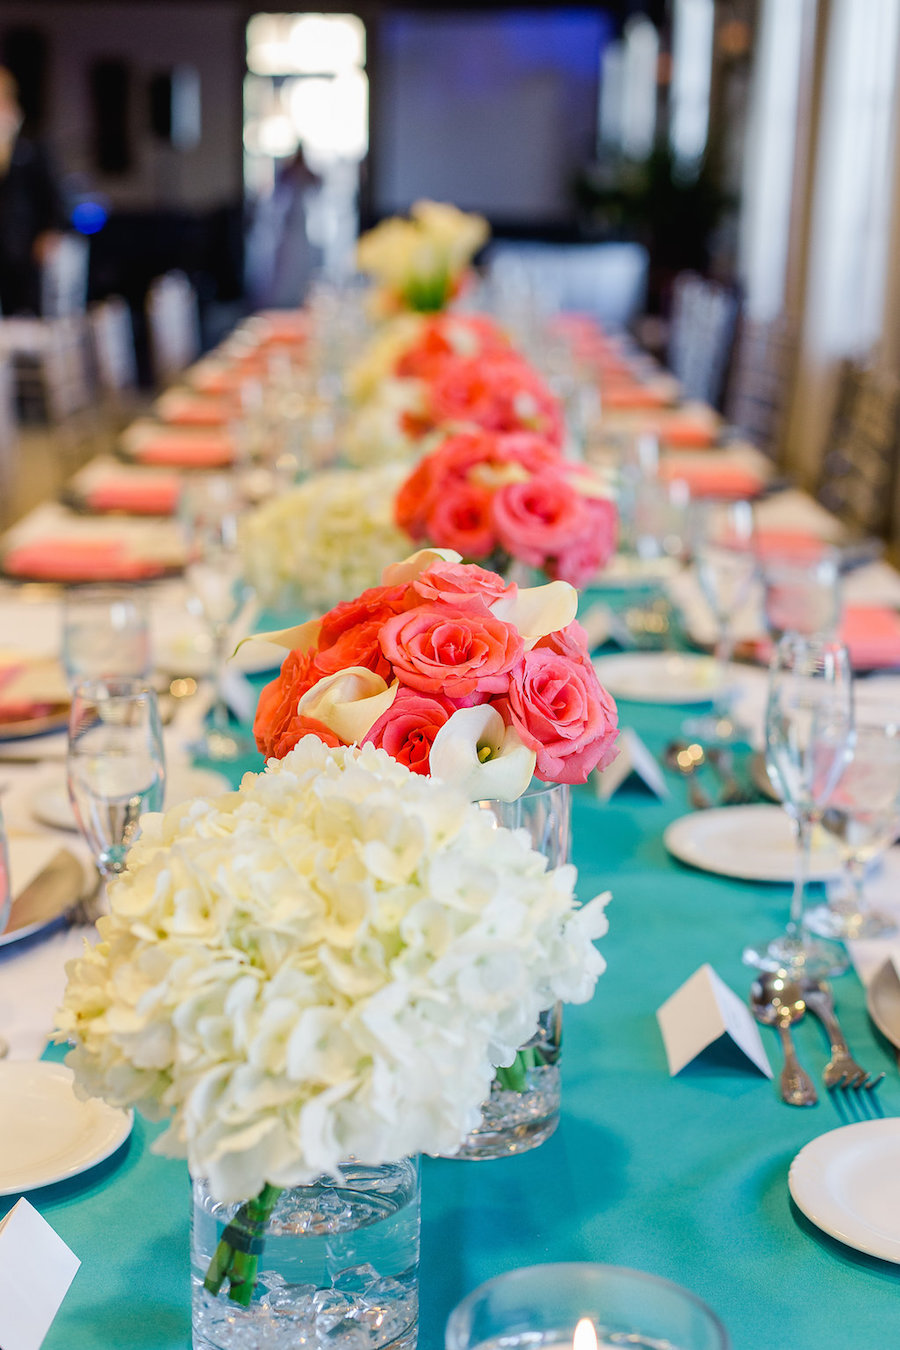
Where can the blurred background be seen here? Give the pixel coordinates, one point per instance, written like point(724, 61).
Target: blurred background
point(752, 142)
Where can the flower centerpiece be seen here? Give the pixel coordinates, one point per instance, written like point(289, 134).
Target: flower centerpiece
point(453, 671)
point(420, 262)
point(323, 966)
point(324, 540)
point(499, 498)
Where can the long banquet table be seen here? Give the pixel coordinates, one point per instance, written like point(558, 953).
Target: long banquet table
point(684, 1177)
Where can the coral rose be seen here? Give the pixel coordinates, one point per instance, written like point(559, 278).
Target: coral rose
point(563, 713)
point(408, 728)
point(460, 584)
point(581, 560)
point(456, 651)
point(278, 726)
point(461, 519)
point(537, 520)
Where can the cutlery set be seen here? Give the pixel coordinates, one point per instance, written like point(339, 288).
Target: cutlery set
point(687, 757)
point(778, 1001)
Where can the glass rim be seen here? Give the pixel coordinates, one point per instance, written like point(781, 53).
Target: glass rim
point(556, 1268)
point(106, 687)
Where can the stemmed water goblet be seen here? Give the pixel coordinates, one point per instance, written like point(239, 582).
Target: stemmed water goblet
point(722, 544)
point(863, 814)
point(105, 633)
point(210, 509)
point(809, 734)
point(115, 766)
point(802, 595)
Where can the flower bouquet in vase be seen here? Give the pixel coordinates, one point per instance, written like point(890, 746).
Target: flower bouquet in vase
point(420, 263)
point(305, 978)
point(506, 499)
point(489, 687)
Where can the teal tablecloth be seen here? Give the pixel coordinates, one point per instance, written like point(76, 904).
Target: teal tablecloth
point(684, 1177)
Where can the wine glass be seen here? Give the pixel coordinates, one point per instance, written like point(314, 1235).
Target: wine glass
point(863, 814)
point(105, 633)
point(722, 542)
point(210, 508)
point(809, 731)
point(802, 595)
point(115, 767)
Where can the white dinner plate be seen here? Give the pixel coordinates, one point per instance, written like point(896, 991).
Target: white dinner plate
point(51, 806)
point(46, 1133)
point(848, 1183)
point(883, 1002)
point(751, 843)
point(658, 677)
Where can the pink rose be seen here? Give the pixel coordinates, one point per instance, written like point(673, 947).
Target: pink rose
point(460, 518)
point(539, 519)
point(460, 584)
point(456, 651)
point(581, 560)
point(408, 728)
point(563, 713)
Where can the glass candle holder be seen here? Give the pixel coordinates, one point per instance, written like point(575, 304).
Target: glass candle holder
point(583, 1306)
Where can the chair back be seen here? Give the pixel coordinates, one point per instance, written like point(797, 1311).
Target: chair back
point(8, 433)
point(701, 336)
point(112, 342)
point(760, 379)
point(858, 476)
point(173, 326)
point(64, 278)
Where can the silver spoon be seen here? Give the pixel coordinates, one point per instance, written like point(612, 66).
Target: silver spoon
point(778, 1002)
point(686, 757)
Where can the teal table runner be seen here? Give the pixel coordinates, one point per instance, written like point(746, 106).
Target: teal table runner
point(684, 1177)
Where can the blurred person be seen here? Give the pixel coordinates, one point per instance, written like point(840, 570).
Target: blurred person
point(281, 260)
point(32, 212)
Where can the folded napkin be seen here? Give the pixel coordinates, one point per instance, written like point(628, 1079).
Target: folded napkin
point(197, 451)
point(792, 545)
point(694, 432)
point(153, 497)
point(78, 560)
point(30, 690)
point(872, 634)
point(714, 479)
point(185, 410)
point(622, 395)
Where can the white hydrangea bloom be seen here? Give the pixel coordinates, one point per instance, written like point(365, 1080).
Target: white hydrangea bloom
point(329, 962)
point(326, 540)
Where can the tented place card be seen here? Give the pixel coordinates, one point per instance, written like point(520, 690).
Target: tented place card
point(633, 760)
point(702, 1013)
point(36, 1269)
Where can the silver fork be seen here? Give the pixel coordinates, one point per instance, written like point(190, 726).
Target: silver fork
point(842, 1070)
point(733, 791)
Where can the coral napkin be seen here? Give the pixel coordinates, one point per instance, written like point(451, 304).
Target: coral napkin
point(714, 480)
point(624, 395)
point(200, 451)
point(64, 559)
point(157, 497)
point(792, 545)
point(202, 411)
point(872, 634)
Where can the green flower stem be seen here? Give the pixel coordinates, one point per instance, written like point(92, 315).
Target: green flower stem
point(513, 1077)
point(239, 1263)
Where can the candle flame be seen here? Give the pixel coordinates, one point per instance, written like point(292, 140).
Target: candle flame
point(585, 1337)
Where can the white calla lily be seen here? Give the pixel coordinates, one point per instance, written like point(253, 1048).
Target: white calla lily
point(538, 610)
point(301, 638)
point(478, 753)
point(349, 703)
point(406, 571)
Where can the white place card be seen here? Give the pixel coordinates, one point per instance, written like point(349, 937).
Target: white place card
point(596, 622)
point(704, 1012)
point(36, 1269)
point(634, 760)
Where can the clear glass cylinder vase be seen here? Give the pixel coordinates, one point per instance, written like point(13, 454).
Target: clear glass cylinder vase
point(523, 1108)
point(336, 1264)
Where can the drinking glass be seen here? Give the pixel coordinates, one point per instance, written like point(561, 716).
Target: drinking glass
point(863, 814)
point(210, 509)
point(115, 766)
point(582, 1305)
point(802, 595)
point(105, 633)
point(809, 730)
point(722, 543)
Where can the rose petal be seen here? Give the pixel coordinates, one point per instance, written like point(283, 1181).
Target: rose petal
point(401, 573)
point(302, 638)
